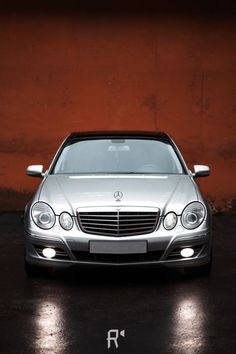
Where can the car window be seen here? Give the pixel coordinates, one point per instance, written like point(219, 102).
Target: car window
point(118, 156)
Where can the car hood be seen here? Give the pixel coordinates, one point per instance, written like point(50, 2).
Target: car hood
point(67, 193)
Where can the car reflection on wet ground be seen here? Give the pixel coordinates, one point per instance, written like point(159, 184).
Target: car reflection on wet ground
point(161, 311)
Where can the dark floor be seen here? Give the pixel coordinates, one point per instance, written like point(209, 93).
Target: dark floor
point(161, 311)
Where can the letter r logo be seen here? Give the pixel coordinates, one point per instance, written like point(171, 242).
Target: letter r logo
point(112, 336)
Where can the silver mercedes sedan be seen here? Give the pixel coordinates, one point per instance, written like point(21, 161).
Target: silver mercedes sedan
point(118, 199)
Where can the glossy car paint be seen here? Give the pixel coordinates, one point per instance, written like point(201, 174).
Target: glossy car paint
point(74, 193)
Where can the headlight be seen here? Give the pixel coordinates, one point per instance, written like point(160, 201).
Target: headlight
point(66, 221)
point(193, 215)
point(170, 221)
point(43, 215)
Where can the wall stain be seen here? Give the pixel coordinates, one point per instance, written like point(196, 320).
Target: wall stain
point(153, 104)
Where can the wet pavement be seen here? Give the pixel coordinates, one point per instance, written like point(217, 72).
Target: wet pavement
point(161, 311)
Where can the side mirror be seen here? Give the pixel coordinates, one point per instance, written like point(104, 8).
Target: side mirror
point(201, 171)
point(35, 171)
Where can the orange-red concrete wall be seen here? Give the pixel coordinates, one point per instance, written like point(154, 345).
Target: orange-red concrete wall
point(65, 72)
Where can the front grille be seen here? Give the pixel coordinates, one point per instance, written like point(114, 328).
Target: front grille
point(118, 223)
point(118, 258)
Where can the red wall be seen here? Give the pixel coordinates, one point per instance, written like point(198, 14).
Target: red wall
point(61, 72)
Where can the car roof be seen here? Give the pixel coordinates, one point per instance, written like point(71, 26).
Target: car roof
point(112, 133)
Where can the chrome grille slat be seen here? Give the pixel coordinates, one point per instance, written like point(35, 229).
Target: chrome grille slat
point(99, 223)
point(121, 214)
point(118, 223)
point(99, 228)
point(100, 216)
point(134, 224)
point(134, 228)
point(115, 219)
point(126, 229)
point(95, 220)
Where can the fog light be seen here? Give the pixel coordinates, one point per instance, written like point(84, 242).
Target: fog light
point(187, 252)
point(49, 252)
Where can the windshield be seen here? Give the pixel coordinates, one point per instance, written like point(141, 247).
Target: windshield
point(102, 156)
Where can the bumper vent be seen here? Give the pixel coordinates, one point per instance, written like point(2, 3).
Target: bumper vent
point(118, 223)
point(152, 256)
point(60, 253)
point(175, 253)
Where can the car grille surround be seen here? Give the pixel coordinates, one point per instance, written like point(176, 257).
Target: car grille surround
point(118, 222)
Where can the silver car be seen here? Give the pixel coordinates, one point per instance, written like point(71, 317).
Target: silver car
point(118, 199)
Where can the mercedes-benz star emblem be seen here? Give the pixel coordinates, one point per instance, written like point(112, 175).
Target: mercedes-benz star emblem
point(118, 195)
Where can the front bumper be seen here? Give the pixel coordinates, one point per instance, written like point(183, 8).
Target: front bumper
point(161, 250)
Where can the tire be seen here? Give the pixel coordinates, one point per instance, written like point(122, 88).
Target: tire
point(203, 270)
